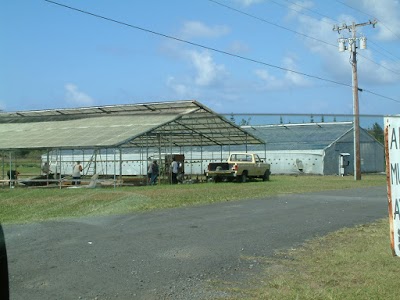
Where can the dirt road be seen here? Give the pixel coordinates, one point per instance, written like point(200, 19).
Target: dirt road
point(175, 253)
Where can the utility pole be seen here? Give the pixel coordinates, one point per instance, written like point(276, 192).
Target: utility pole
point(352, 47)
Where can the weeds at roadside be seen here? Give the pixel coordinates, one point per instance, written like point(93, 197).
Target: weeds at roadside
point(352, 263)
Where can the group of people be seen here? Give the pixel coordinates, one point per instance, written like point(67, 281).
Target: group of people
point(154, 171)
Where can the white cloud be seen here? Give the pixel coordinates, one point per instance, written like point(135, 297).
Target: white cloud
point(269, 82)
point(203, 71)
point(377, 73)
point(193, 29)
point(76, 97)
point(388, 14)
point(180, 89)
point(291, 79)
point(294, 78)
point(206, 74)
point(238, 47)
point(207, 71)
point(298, 7)
point(337, 63)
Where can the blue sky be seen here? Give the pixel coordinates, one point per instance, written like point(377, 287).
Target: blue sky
point(55, 57)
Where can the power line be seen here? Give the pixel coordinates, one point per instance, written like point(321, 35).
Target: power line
point(269, 22)
point(382, 96)
point(378, 64)
point(380, 22)
point(356, 9)
point(196, 44)
point(293, 31)
point(376, 50)
point(210, 48)
point(388, 52)
point(305, 8)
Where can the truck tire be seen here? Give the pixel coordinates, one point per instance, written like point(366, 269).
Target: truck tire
point(266, 176)
point(217, 179)
point(243, 177)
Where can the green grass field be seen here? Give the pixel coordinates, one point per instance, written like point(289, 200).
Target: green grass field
point(21, 205)
point(353, 263)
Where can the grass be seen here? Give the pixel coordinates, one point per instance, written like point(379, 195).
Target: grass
point(27, 167)
point(21, 205)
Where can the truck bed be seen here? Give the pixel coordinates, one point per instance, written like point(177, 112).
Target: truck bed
point(219, 166)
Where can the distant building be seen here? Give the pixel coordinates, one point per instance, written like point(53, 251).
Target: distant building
point(316, 148)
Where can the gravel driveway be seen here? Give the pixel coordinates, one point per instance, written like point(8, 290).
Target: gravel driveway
point(175, 253)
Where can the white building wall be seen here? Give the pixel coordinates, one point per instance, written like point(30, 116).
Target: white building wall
point(296, 162)
point(282, 162)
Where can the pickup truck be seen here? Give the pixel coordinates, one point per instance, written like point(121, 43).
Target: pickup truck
point(239, 167)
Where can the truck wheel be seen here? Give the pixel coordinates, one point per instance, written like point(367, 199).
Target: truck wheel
point(243, 178)
point(266, 176)
point(217, 179)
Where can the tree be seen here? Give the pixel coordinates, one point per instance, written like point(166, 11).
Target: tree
point(23, 153)
point(232, 118)
point(245, 122)
point(377, 132)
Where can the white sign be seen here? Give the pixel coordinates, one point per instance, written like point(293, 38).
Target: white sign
point(392, 153)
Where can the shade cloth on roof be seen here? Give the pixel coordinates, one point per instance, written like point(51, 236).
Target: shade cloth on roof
point(179, 123)
point(86, 132)
point(308, 136)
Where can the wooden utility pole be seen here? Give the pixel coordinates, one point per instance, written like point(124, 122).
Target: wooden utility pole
point(352, 47)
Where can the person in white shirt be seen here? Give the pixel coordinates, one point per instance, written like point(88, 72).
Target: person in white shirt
point(76, 173)
point(174, 171)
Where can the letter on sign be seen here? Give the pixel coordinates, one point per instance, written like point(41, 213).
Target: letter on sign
point(392, 153)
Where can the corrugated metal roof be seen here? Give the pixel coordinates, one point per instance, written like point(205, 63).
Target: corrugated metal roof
point(310, 136)
point(165, 124)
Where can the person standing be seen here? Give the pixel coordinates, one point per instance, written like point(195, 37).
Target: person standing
point(154, 173)
point(174, 170)
point(46, 168)
point(12, 176)
point(76, 173)
point(149, 173)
